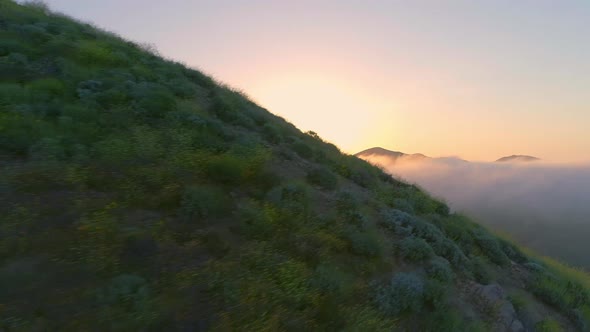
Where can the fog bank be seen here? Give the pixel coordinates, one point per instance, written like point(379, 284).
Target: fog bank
point(545, 207)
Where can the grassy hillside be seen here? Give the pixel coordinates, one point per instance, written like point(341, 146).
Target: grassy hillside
point(138, 194)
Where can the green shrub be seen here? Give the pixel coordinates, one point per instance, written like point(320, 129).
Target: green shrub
point(405, 293)
point(346, 202)
point(428, 232)
point(535, 267)
point(491, 248)
point(114, 150)
point(223, 109)
point(548, 325)
point(255, 221)
point(153, 99)
point(449, 250)
point(479, 267)
point(47, 149)
point(11, 94)
point(565, 296)
point(440, 269)
point(415, 249)
point(357, 170)
point(126, 297)
point(292, 279)
point(519, 302)
point(271, 133)
point(445, 319)
point(459, 229)
point(323, 178)
point(125, 288)
point(393, 218)
point(99, 240)
point(403, 205)
point(200, 202)
point(8, 46)
point(303, 150)
point(292, 197)
point(93, 53)
point(512, 252)
point(362, 318)
point(215, 243)
point(365, 243)
point(357, 219)
point(147, 144)
point(181, 87)
point(578, 318)
point(397, 221)
point(435, 293)
point(331, 279)
point(225, 169)
point(46, 89)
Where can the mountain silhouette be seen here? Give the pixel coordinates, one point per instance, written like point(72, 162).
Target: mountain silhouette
point(518, 158)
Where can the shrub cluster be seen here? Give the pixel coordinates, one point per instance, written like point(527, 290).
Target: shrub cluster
point(566, 296)
point(404, 293)
point(365, 243)
point(322, 177)
point(331, 279)
point(548, 325)
point(302, 149)
point(199, 202)
point(440, 269)
point(491, 248)
point(415, 249)
point(397, 221)
point(293, 197)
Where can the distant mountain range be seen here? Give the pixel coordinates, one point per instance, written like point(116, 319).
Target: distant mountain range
point(395, 156)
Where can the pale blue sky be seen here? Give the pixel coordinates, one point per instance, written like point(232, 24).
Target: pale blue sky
point(478, 79)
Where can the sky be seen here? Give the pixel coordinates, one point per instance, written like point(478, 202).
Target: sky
point(476, 79)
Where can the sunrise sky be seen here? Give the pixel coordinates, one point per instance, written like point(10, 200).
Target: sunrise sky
point(476, 79)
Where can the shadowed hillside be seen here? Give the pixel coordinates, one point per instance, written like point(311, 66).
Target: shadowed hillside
point(140, 195)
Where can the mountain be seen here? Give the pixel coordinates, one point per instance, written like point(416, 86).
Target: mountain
point(393, 155)
point(518, 158)
point(141, 195)
point(380, 155)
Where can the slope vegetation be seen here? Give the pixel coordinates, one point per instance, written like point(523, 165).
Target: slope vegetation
point(138, 194)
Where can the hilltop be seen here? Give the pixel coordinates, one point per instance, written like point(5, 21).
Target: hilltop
point(518, 158)
point(393, 155)
point(380, 155)
point(141, 195)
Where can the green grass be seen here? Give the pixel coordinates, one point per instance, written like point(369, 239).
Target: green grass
point(139, 194)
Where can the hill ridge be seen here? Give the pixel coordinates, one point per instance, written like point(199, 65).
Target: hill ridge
point(150, 197)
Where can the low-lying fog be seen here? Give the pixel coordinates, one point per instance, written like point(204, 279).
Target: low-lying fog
point(542, 206)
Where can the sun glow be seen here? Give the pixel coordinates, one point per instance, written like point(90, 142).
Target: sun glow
point(339, 110)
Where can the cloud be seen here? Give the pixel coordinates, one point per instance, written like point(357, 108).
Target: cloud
point(542, 206)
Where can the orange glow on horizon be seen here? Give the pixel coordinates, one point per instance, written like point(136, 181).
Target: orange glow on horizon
point(340, 112)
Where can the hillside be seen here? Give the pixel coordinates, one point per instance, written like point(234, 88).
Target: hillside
point(141, 195)
point(517, 158)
